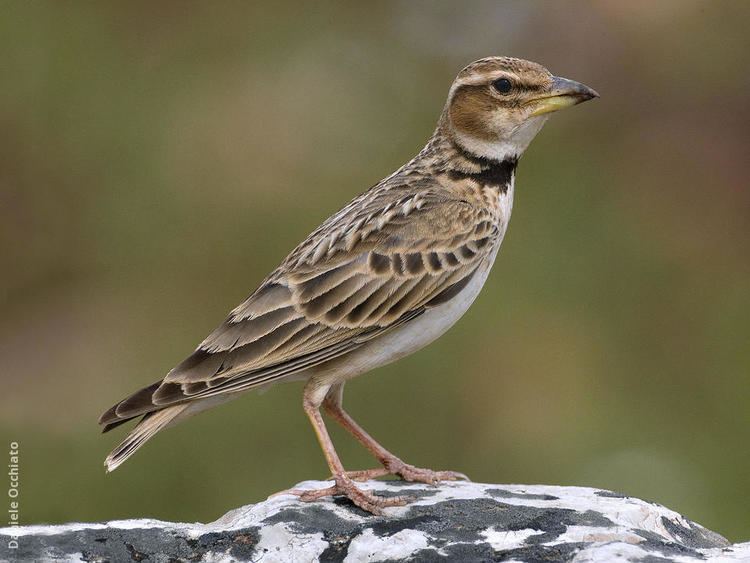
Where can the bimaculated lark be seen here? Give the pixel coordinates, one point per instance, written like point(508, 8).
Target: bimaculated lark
point(378, 280)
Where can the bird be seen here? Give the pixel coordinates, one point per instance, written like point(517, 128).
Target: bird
point(381, 278)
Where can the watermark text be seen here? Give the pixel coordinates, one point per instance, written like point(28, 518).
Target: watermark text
point(14, 491)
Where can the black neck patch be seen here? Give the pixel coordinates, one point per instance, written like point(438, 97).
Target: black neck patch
point(493, 174)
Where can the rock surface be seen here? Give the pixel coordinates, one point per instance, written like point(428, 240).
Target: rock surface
point(454, 522)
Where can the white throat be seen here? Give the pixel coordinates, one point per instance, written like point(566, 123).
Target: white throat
point(510, 147)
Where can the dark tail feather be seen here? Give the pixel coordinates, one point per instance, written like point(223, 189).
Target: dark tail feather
point(111, 425)
point(143, 431)
point(135, 405)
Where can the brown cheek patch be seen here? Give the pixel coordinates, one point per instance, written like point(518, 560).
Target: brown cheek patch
point(470, 111)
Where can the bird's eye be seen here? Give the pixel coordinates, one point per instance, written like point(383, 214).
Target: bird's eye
point(502, 85)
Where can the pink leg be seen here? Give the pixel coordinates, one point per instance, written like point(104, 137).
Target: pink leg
point(333, 405)
point(343, 483)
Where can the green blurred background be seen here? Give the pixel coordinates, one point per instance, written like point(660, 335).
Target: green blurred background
point(158, 159)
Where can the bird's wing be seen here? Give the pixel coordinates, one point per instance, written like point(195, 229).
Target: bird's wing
point(375, 265)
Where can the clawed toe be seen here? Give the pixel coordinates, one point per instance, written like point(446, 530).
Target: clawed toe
point(419, 475)
point(312, 495)
point(452, 476)
point(345, 486)
point(365, 474)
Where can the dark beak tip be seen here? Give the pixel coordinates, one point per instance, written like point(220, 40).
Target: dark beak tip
point(593, 94)
point(584, 93)
point(573, 88)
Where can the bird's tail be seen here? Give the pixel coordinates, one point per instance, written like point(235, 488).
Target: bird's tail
point(145, 429)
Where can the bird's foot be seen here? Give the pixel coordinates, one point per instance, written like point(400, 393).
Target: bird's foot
point(406, 472)
point(419, 475)
point(366, 474)
point(344, 485)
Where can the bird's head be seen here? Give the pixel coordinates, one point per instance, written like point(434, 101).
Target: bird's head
point(497, 105)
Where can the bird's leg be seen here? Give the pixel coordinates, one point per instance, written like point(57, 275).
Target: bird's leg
point(333, 405)
point(343, 484)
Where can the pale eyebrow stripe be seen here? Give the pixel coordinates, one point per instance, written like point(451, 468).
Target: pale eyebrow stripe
point(488, 77)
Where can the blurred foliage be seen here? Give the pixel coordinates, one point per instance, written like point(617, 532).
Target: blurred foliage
point(158, 159)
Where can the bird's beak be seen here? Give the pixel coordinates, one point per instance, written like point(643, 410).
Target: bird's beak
point(564, 93)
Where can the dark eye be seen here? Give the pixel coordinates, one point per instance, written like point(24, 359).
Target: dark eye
point(502, 85)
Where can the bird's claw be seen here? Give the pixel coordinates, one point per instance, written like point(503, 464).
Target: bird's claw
point(407, 473)
point(344, 485)
point(419, 475)
point(365, 474)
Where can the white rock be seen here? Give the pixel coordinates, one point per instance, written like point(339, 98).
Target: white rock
point(454, 522)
